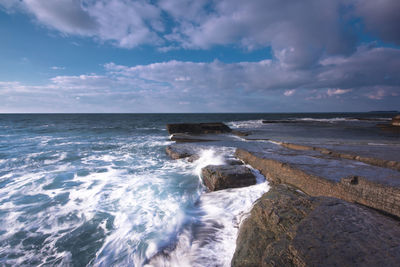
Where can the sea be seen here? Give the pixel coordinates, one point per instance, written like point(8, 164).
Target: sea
point(99, 189)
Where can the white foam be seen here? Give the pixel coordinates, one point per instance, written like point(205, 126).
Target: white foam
point(224, 211)
point(331, 120)
point(246, 124)
point(147, 198)
point(208, 157)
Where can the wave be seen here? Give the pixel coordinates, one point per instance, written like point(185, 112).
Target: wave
point(209, 238)
point(245, 124)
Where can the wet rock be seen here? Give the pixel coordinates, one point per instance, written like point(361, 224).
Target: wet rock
point(218, 177)
point(179, 152)
point(233, 162)
point(240, 133)
point(187, 138)
point(198, 128)
point(396, 120)
point(289, 228)
point(378, 188)
point(368, 160)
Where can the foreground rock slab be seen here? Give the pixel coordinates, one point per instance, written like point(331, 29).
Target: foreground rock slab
point(289, 228)
point(315, 175)
point(218, 177)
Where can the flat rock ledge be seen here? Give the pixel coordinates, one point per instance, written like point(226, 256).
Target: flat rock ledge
point(190, 138)
point(191, 132)
point(198, 128)
point(219, 177)
point(354, 189)
point(289, 228)
point(395, 165)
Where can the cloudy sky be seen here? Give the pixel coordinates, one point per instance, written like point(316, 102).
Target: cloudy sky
point(199, 56)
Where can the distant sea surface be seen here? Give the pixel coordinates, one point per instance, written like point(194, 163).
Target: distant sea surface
point(99, 190)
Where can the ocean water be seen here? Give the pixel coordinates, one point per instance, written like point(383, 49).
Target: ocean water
point(99, 190)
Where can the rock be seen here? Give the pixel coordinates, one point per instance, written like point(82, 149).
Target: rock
point(375, 187)
point(186, 138)
point(240, 133)
point(193, 158)
point(179, 152)
point(368, 160)
point(233, 162)
point(198, 128)
point(396, 120)
point(289, 228)
point(218, 177)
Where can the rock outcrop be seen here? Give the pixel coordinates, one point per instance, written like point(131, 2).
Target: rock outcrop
point(289, 228)
point(382, 194)
point(198, 128)
point(179, 152)
point(189, 138)
point(396, 120)
point(218, 177)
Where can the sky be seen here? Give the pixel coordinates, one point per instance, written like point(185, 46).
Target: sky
point(150, 56)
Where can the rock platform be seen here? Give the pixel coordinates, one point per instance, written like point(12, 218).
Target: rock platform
point(326, 206)
point(289, 228)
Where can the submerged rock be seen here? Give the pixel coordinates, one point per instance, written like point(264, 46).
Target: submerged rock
point(218, 177)
point(289, 228)
point(198, 128)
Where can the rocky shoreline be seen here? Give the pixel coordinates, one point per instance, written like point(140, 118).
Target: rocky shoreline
point(325, 208)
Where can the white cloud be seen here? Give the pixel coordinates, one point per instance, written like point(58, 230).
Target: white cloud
point(371, 73)
point(289, 92)
point(298, 32)
point(332, 92)
point(57, 68)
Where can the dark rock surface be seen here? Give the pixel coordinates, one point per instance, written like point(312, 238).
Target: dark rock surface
point(233, 162)
point(180, 152)
point(289, 228)
point(374, 187)
point(198, 128)
point(396, 120)
point(240, 133)
point(218, 177)
point(189, 138)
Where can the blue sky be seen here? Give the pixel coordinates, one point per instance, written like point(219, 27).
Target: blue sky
point(199, 56)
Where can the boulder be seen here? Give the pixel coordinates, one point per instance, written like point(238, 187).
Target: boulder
point(179, 152)
point(396, 120)
point(289, 228)
point(198, 128)
point(218, 177)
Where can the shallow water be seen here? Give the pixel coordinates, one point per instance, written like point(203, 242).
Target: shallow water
point(98, 189)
